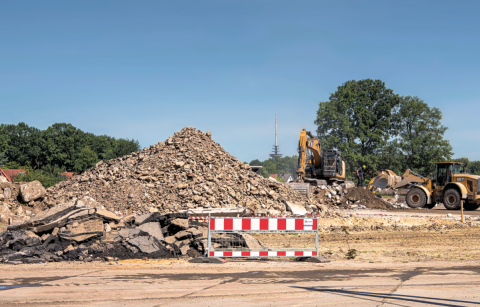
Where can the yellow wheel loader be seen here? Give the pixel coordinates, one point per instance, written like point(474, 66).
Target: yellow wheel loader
point(450, 185)
point(316, 166)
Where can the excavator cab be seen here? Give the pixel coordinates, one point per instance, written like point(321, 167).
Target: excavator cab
point(332, 163)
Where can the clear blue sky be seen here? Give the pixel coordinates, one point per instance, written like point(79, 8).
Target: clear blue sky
point(145, 69)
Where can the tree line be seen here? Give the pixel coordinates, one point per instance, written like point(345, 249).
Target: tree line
point(60, 147)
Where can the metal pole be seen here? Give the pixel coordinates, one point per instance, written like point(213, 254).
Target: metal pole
point(275, 133)
point(461, 207)
point(209, 237)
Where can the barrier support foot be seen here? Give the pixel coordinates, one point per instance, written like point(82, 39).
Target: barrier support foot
point(207, 260)
point(319, 259)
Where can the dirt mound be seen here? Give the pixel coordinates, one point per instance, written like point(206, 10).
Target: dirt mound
point(362, 196)
point(189, 170)
point(348, 197)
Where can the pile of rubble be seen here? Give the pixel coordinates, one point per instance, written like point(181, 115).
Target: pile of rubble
point(348, 196)
point(189, 170)
point(83, 230)
point(20, 201)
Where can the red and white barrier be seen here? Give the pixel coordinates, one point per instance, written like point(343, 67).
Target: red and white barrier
point(270, 225)
point(262, 254)
point(300, 224)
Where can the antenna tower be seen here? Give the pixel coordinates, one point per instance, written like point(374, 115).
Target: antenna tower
point(276, 151)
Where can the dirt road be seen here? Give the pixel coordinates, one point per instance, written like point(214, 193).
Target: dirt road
point(245, 283)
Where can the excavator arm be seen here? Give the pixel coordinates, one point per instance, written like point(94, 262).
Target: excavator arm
point(308, 142)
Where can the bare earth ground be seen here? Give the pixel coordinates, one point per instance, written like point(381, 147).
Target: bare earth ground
point(392, 268)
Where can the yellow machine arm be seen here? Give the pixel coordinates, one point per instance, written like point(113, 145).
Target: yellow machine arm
point(387, 179)
point(307, 141)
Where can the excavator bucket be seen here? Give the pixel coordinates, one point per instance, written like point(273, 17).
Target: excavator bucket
point(302, 188)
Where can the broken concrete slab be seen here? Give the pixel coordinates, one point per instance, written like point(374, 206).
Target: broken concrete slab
point(179, 224)
point(107, 215)
point(195, 232)
point(182, 235)
point(53, 213)
point(144, 245)
point(83, 231)
point(31, 191)
point(150, 217)
point(129, 233)
point(153, 229)
point(81, 213)
point(296, 208)
point(61, 221)
point(170, 240)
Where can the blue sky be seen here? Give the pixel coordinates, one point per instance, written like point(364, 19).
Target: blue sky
point(145, 69)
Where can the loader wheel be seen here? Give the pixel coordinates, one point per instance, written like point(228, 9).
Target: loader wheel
point(416, 198)
point(471, 206)
point(451, 199)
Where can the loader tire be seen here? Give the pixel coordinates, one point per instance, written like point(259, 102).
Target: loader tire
point(416, 198)
point(451, 199)
point(470, 206)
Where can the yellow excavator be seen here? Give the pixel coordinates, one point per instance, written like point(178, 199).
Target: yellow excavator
point(450, 185)
point(316, 166)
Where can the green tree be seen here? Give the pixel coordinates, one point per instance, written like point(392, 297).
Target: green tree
point(85, 159)
point(419, 136)
point(358, 120)
point(3, 159)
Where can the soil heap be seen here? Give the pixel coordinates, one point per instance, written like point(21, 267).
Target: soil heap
point(188, 170)
point(348, 197)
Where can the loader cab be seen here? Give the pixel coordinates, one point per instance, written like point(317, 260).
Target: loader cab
point(332, 163)
point(445, 171)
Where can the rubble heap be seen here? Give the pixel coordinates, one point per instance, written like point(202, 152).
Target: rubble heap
point(348, 196)
point(188, 170)
point(83, 230)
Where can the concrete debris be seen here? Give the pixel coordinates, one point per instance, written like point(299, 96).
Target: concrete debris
point(74, 231)
point(153, 229)
point(32, 191)
point(144, 245)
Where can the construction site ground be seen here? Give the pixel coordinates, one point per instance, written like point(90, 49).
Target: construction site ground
point(420, 267)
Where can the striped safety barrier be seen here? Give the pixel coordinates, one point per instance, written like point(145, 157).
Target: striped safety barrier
point(263, 253)
point(301, 224)
point(227, 234)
